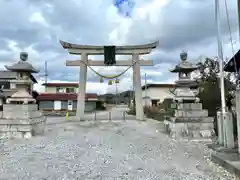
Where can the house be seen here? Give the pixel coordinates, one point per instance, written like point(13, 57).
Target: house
point(61, 87)
point(233, 64)
point(9, 86)
point(16, 76)
point(8, 82)
point(126, 97)
point(119, 98)
point(63, 96)
point(156, 93)
point(108, 98)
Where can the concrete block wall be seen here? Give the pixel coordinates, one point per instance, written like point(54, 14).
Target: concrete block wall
point(21, 121)
point(20, 111)
point(9, 131)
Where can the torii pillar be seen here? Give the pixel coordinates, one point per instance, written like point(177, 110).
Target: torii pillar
point(85, 50)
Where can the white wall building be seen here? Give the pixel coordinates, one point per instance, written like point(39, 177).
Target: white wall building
point(156, 93)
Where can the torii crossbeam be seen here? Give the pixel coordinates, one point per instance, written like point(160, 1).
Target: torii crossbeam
point(101, 63)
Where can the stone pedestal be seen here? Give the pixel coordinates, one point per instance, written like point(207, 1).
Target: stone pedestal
point(228, 130)
point(190, 121)
point(21, 121)
point(238, 114)
point(220, 128)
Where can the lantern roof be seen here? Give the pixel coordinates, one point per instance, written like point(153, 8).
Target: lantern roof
point(22, 65)
point(184, 65)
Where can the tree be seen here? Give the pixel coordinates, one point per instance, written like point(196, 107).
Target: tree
point(210, 93)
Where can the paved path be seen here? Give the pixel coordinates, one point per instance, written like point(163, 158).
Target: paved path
point(105, 151)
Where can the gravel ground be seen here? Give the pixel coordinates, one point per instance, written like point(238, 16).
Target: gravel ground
point(106, 151)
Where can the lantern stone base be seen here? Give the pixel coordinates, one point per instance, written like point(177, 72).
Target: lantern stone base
point(191, 122)
point(21, 121)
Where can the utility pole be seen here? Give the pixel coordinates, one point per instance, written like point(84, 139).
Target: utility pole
point(132, 97)
point(224, 124)
point(238, 4)
point(145, 89)
point(116, 94)
point(46, 75)
point(220, 54)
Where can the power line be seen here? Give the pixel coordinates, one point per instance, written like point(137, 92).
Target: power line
point(230, 35)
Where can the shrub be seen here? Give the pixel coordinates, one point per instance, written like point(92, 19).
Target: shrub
point(132, 111)
point(166, 104)
point(160, 116)
point(159, 112)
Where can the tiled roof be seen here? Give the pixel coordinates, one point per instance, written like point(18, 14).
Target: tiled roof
point(60, 84)
point(8, 75)
point(64, 96)
point(230, 66)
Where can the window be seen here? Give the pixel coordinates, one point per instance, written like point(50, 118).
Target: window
point(70, 90)
point(59, 90)
point(4, 85)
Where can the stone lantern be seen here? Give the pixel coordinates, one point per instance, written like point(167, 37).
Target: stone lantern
point(189, 120)
point(184, 82)
point(21, 118)
point(23, 83)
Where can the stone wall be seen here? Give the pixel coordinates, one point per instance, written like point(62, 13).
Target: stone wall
point(21, 121)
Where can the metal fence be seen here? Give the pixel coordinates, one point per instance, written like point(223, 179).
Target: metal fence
point(109, 116)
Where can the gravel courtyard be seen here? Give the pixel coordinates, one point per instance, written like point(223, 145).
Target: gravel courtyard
point(102, 151)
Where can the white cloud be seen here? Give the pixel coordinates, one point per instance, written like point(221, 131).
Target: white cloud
point(37, 17)
point(176, 24)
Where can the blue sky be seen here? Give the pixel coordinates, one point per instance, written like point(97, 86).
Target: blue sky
point(124, 7)
point(38, 25)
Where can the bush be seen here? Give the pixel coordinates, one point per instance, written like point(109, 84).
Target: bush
point(132, 111)
point(150, 110)
point(166, 104)
point(159, 112)
point(156, 113)
point(160, 116)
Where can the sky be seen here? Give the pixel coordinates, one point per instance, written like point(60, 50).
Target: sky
point(36, 26)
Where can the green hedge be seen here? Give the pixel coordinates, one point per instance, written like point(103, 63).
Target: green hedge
point(160, 116)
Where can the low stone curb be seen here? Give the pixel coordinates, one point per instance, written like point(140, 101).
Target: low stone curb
point(228, 159)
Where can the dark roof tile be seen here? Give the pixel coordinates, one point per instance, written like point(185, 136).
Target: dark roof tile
point(60, 84)
point(64, 96)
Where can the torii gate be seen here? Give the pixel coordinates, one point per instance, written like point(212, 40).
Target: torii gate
point(85, 50)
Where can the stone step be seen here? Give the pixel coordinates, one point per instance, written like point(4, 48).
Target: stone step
point(199, 126)
point(198, 134)
point(192, 119)
point(20, 107)
point(22, 121)
point(21, 128)
point(21, 114)
point(191, 113)
point(198, 139)
point(189, 106)
point(20, 111)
